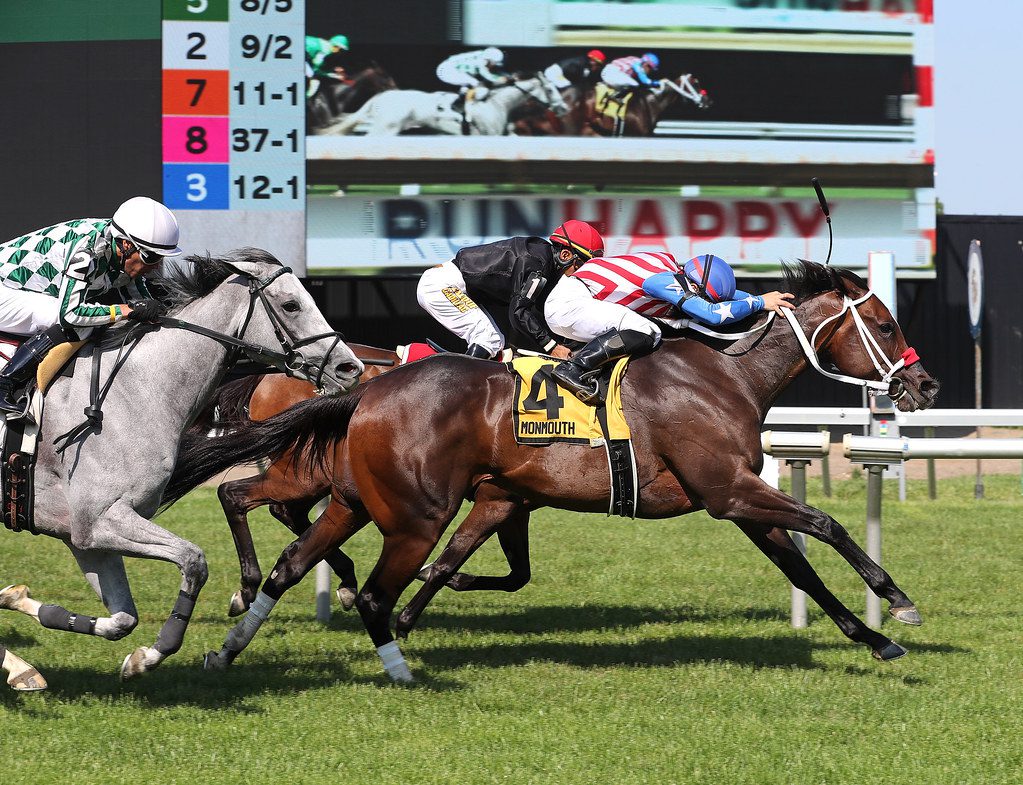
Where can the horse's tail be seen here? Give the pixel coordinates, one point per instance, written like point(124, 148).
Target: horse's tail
point(229, 404)
point(310, 427)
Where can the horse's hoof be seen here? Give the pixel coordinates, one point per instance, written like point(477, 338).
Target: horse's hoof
point(907, 614)
point(12, 596)
point(214, 662)
point(891, 651)
point(238, 605)
point(28, 681)
point(138, 662)
point(345, 596)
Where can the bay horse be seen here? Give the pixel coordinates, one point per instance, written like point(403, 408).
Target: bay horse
point(645, 108)
point(290, 494)
point(406, 457)
point(100, 493)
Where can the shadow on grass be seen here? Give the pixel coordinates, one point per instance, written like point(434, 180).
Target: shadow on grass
point(568, 618)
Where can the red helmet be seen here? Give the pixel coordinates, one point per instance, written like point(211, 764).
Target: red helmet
point(596, 54)
point(583, 239)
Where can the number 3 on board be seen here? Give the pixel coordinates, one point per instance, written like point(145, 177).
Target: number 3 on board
point(197, 6)
point(196, 187)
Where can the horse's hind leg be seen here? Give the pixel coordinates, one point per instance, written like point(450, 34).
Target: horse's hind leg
point(479, 524)
point(21, 676)
point(337, 524)
point(513, 535)
point(295, 515)
point(778, 546)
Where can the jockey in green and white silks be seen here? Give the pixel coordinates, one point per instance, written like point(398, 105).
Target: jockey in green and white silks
point(51, 278)
point(319, 49)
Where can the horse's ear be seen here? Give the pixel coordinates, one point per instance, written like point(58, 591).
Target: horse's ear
point(248, 269)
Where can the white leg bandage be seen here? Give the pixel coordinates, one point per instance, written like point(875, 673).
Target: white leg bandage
point(394, 662)
point(245, 630)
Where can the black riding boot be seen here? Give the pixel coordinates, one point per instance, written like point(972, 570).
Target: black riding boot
point(22, 367)
point(475, 350)
point(579, 373)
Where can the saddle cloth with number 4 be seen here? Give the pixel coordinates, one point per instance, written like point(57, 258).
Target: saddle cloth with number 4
point(545, 413)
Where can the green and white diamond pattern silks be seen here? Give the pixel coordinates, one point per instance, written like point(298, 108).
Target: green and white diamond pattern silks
point(40, 262)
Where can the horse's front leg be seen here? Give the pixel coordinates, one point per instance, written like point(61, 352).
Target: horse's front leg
point(122, 531)
point(21, 676)
point(778, 546)
point(749, 498)
point(337, 524)
point(105, 573)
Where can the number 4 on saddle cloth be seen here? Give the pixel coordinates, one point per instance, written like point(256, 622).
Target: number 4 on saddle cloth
point(19, 435)
point(544, 413)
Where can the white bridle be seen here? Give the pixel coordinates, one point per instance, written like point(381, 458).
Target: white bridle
point(874, 350)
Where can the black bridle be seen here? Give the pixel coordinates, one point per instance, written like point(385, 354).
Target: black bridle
point(291, 361)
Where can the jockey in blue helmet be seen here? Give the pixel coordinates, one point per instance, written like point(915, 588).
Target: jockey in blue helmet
point(615, 305)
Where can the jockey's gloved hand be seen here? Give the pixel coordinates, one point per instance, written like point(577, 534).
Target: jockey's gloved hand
point(146, 310)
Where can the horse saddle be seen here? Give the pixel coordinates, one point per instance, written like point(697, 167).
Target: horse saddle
point(607, 102)
point(19, 439)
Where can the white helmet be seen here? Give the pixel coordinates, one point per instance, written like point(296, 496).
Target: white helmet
point(148, 224)
point(494, 55)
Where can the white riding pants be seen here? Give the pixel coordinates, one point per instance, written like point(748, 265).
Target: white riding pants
point(27, 313)
point(557, 76)
point(441, 292)
point(453, 75)
point(616, 77)
point(573, 312)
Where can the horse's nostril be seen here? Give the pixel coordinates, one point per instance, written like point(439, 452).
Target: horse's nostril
point(929, 386)
point(348, 369)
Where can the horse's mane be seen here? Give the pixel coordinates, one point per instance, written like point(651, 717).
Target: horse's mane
point(806, 279)
point(199, 275)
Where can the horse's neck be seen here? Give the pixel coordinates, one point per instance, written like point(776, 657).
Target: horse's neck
point(658, 102)
point(513, 96)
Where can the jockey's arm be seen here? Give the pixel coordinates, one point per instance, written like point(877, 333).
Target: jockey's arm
point(488, 77)
point(641, 75)
point(525, 310)
point(76, 313)
point(665, 287)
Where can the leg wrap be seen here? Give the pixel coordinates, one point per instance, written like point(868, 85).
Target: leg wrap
point(243, 632)
point(172, 634)
point(394, 662)
point(53, 617)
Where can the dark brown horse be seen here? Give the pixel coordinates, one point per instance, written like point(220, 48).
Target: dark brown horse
point(290, 495)
point(645, 108)
point(344, 95)
point(406, 457)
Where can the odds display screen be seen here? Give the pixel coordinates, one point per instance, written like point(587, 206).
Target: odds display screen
point(234, 122)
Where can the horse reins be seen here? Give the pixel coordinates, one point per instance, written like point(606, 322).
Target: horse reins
point(874, 350)
point(290, 360)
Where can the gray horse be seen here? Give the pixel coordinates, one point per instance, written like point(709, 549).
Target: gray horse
point(100, 493)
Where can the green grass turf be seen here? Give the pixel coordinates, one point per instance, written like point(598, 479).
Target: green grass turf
point(642, 652)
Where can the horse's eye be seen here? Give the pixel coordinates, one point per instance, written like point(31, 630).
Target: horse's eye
point(887, 329)
point(291, 306)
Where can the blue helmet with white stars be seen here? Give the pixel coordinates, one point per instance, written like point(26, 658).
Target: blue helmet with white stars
point(711, 277)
